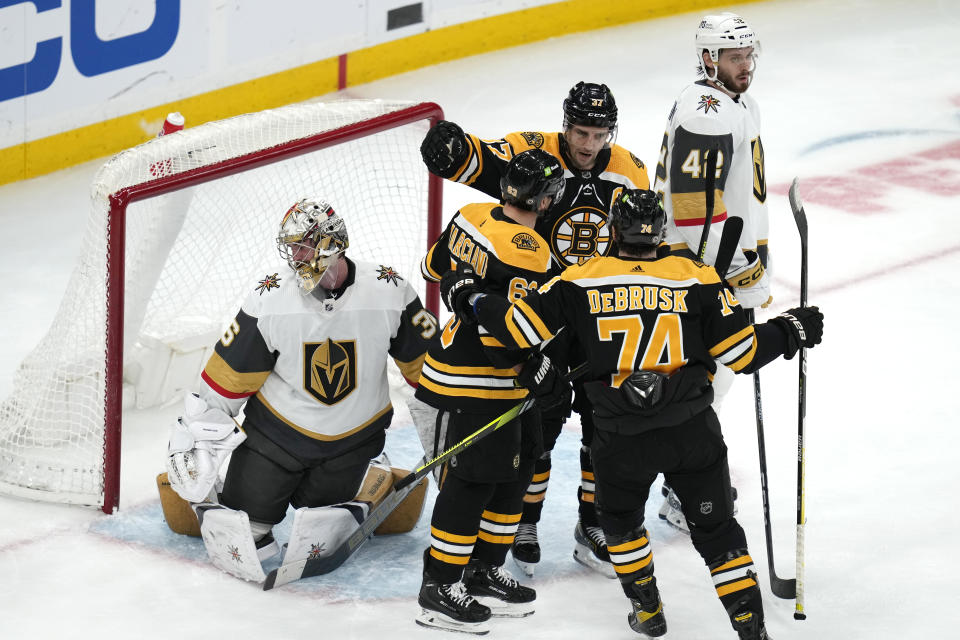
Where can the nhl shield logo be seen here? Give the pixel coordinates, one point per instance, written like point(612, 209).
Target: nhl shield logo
point(330, 369)
point(706, 507)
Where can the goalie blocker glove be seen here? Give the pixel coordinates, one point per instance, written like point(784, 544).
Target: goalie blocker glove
point(803, 327)
point(444, 149)
point(456, 288)
point(544, 381)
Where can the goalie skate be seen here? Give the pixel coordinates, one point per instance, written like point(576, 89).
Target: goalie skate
point(526, 548)
point(591, 550)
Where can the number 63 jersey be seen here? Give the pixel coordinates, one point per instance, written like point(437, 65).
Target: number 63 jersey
point(705, 118)
point(312, 371)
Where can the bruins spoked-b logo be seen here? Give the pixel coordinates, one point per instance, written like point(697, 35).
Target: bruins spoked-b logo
point(581, 234)
point(330, 369)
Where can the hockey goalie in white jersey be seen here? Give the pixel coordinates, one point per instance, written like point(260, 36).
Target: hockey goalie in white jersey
point(306, 359)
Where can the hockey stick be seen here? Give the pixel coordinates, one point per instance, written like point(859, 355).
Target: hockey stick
point(796, 204)
point(729, 243)
point(781, 587)
point(319, 566)
point(709, 194)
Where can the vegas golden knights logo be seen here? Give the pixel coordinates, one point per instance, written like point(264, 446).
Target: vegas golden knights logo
point(330, 369)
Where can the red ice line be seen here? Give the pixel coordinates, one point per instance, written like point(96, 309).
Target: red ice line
point(863, 191)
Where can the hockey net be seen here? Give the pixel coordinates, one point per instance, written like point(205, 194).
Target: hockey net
point(181, 228)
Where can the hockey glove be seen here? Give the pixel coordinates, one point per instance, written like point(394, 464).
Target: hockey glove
point(456, 287)
point(803, 327)
point(751, 285)
point(199, 443)
point(444, 149)
point(544, 381)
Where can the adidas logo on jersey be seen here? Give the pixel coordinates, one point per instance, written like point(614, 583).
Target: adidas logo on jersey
point(637, 268)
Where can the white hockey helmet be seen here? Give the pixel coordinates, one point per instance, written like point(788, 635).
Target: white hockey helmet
point(724, 31)
point(312, 237)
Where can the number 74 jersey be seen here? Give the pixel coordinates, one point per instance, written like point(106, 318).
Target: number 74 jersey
point(630, 314)
point(705, 118)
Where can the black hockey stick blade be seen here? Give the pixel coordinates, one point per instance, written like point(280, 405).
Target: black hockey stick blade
point(729, 243)
point(709, 193)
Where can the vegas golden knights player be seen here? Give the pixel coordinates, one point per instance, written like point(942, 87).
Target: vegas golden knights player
point(470, 378)
point(576, 226)
point(717, 112)
point(654, 329)
point(306, 358)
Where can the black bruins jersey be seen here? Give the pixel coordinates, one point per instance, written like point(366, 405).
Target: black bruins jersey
point(630, 314)
point(576, 225)
point(469, 369)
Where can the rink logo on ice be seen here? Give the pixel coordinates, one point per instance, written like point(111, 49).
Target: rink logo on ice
point(709, 103)
point(91, 55)
point(330, 369)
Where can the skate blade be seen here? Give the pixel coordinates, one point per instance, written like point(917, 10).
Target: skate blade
point(436, 620)
point(501, 609)
point(584, 555)
point(526, 567)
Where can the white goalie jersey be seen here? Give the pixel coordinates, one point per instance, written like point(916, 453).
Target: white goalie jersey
point(312, 371)
point(703, 118)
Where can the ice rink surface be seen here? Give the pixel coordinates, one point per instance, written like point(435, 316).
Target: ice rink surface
point(861, 100)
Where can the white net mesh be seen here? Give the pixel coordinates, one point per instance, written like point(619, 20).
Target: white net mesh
point(192, 255)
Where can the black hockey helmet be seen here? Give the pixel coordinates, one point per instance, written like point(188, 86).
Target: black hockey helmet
point(590, 105)
point(532, 175)
point(638, 217)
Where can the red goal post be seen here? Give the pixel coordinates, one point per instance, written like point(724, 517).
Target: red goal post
point(180, 229)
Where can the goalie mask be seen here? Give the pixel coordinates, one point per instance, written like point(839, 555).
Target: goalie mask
point(311, 239)
point(638, 218)
point(724, 31)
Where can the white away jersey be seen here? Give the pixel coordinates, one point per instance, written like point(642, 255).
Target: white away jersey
point(704, 118)
point(313, 372)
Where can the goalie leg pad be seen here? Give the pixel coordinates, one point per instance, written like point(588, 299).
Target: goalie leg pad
point(177, 512)
point(229, 541)
point(318, 531)
point(406, 515)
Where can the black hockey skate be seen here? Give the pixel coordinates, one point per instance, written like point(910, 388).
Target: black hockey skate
point(749, 626)
point(497, 589)
point(526, 548)
point(646, 615)
point(591, 550)
point(448, 607)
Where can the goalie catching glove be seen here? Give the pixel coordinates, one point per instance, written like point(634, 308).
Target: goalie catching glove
point(803, 327)
point(544, 381)
point(751, 285)
point(200, 441)
point(444, 149)
point(456, 288)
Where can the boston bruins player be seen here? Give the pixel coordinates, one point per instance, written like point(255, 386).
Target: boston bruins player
point(654, 330)
point(716, 112)
point(306, 359)
point(471, 379)
point(596, 170)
